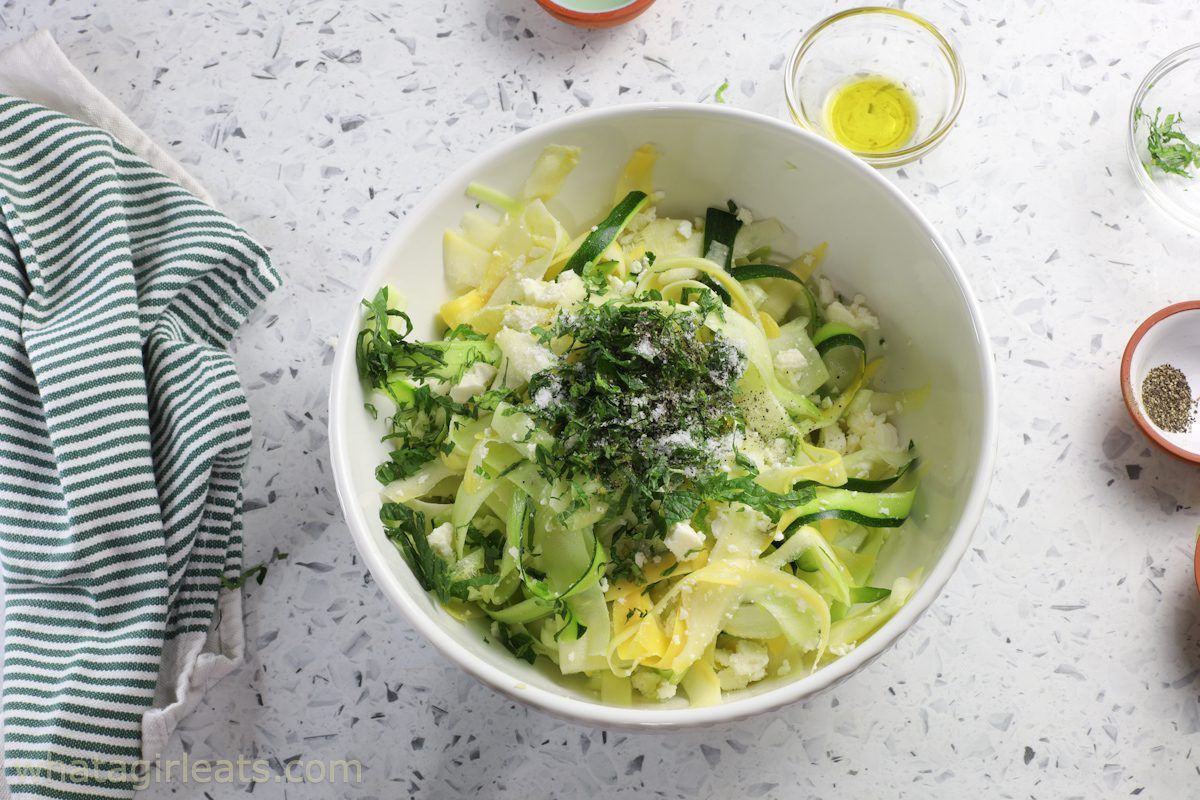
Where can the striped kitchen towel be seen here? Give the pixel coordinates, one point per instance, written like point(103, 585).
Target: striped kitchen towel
point(123, 433)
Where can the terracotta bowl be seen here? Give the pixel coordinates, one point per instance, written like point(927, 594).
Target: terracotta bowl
point(1170, 336)
point(1197, 563)
point(563, 11)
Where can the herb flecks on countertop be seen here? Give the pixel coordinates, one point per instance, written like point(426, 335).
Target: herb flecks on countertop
point(1170, 149)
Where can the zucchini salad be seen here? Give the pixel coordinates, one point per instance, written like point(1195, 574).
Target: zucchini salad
point(646, 455)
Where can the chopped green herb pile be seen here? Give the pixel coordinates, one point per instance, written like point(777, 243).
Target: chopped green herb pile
point(407, 530)
point(640, 399)
point(407, 371)
point(1170, 149)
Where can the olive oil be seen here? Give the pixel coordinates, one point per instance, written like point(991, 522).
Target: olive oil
point(871, 114)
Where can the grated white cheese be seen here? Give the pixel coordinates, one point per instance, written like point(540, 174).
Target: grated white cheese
point(684, 229)
point(646, 350)
point(791, 360)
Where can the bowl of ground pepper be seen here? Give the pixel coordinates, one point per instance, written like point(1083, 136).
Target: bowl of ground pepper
point(1160, 379)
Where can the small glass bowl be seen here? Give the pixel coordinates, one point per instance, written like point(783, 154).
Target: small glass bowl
point(1174, 86)
point(887, 42)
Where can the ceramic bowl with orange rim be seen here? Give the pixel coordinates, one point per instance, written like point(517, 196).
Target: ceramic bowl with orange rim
point(1170, 336)
point(595, 13)
point(1197, 569)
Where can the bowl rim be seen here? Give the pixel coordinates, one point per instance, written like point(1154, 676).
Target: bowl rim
point(642, 717)
point(1188, 218)
point(598, 19)
point(1127, 389)
point(903, 155)
point(1196, 568)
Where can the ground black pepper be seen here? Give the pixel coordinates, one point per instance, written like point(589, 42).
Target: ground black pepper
point(1167, 398)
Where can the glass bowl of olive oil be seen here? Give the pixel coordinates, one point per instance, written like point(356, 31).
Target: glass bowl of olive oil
point(882, 82)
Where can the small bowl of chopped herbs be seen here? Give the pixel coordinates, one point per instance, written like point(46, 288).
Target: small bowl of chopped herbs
point(1164, 135)
point(1160, 379)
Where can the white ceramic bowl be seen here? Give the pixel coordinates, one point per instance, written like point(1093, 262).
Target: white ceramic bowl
point(879, 244)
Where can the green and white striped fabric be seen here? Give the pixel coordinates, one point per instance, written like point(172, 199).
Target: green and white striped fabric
point(123, 433)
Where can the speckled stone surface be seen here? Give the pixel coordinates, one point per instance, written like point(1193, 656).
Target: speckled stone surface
point(1064, 658)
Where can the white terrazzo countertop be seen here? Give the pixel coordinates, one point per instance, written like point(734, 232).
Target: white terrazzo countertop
point(1063, 659)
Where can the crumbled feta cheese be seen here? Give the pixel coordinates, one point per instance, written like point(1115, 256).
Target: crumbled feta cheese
point(473, 382)
point(639, 558)
point(650, 684)
point(832, 438)
point(441, 540)
point(743, 665)
point(856, 315)
point(791, 360)
point(523, 317)
point(436, 385)
point(525, 354)
point(873, 430)
point(635, 267)
point(620, 287)
point(567, 289)
point(683, 539)
point(825, 291)
point(603, 584)
point(842, 649)
point(684, 230)
point(744, 216)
